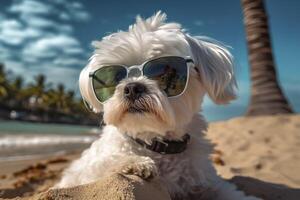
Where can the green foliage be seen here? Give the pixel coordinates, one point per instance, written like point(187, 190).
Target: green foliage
point(4, 85)
point(39, 96)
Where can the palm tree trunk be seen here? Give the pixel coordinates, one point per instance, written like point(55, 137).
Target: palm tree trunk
point(267, 97)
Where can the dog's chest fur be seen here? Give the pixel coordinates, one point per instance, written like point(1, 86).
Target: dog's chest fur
point(184, 174)
point(176, 173)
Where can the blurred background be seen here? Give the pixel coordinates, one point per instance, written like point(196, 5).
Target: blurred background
point(45, 43)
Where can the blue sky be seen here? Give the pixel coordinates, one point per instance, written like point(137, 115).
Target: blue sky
point(53, 37)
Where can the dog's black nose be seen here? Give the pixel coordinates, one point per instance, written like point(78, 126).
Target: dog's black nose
point(134, 90)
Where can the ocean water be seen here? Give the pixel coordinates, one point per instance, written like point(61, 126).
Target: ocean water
point(25, 140)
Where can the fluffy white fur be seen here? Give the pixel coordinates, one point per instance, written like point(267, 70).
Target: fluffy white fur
point(188, 175)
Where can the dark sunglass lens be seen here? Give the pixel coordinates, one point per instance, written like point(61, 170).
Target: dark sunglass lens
point(106, 79)
point(170, 74)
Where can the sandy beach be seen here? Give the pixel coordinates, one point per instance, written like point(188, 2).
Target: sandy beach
point(260, 154)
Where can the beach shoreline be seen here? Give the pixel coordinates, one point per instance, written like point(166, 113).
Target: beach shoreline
point(12, 166)
point(260, 155)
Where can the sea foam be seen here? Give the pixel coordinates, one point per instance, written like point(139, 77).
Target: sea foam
point(9, 141)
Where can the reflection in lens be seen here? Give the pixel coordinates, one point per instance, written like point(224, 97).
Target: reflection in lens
point(106, 79)
point(169, 72)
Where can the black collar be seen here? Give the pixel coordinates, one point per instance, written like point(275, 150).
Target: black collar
point(165, 146)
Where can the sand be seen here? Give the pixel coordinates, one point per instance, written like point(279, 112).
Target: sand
point(33, 182)
point(259, 154)
point(115, 187)
point(267, 148)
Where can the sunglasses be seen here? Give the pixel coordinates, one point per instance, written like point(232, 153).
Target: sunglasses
point(171, 74)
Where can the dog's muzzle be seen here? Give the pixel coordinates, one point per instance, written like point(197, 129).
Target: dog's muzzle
point(134, 91)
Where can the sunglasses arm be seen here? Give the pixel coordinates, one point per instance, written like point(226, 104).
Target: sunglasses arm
point(189, 60)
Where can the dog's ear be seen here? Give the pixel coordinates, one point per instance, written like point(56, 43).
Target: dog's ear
point(86, 89)
point(215, 66)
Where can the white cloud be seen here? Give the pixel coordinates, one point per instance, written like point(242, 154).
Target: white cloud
point(4, 54)
point(67, 76)
point(38, 37)
point(30, 59)
point(74, 51)
point(37, 21)
point(64, 16)
point(198, 23)
point(11, 32)
point(64, 28)
point(16, 67)
point(76, 11)
point(31, 7)
point(17, 37)
point(54, 46)
point(73, 11)
point(69, 62)
point(59, 41)
point(42, 23)
point(10, 24)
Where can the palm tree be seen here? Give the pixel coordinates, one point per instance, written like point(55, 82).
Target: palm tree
point(61, 97)
point(18, 83)
point(267, 97)
point(17, 93)
point(36, 93)
point(4, 85)
point(42, 99)
point(40, 84)
point(70, 103)
point(59, 100)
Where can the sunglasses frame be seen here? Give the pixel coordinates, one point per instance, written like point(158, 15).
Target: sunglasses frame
point(140, 68)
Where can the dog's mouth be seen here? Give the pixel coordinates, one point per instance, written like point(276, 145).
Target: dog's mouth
point(139, 105)
point(145, 107)
point(133, 109)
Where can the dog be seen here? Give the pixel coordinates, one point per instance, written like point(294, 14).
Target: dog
point(153, 125)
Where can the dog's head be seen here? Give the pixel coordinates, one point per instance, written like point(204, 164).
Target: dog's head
point(151, 110)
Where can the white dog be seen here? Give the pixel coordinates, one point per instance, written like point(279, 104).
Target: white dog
point(153, 131)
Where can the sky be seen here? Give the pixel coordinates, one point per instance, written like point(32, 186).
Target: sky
point(54, 37)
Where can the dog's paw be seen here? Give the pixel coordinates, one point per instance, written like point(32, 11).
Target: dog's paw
point(145, 169)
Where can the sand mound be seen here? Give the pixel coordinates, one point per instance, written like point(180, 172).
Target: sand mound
point(116, 187)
